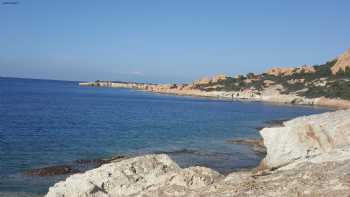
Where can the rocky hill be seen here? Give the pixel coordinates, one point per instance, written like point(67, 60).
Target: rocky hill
point(330, 80)
point(326, 85)
point(343, 63)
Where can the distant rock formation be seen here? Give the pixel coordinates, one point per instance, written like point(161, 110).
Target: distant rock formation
point(208, 80)
point(342, 63)
point(290, 70)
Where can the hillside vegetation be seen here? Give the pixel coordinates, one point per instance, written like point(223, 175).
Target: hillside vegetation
point(308, 81)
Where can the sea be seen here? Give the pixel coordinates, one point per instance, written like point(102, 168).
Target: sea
point(47, 122)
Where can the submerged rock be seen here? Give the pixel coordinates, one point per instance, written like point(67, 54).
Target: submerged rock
point(52, 171)
point(18, 194)
point(179, 151)
point(98, 162)
point(77, 166)
point(257, 145)
point(275, 123)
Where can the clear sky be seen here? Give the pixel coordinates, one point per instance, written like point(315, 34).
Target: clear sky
point(167, 41)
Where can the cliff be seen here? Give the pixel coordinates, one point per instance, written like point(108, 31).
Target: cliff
point(308, 156)
point(343, 63)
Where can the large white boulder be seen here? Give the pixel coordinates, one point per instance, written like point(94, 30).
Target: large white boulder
point(306, 137)
point(149, 174)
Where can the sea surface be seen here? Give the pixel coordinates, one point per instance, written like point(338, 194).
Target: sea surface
point(45, 123)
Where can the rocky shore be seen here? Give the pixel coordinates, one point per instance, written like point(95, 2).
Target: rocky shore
point(306, 156)
point(269, 95)
point(320, 85)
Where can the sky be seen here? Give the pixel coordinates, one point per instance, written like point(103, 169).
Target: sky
point(166, 41)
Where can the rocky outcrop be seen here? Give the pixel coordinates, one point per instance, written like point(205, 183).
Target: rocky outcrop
point(305, 137)
point(290, 70)
point(280, 71)
point(306, 179)
point(77, 166)
point(270, 94)
point(307, 156)
point(208, 80)
point(257, 145)
point(152, 174)
point(342, 63)
point(52, 171)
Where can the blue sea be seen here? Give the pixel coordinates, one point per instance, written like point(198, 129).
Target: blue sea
point(45, 123)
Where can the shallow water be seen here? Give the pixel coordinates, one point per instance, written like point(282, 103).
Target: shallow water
point(46, 123)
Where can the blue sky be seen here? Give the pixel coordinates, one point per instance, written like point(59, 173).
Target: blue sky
point(167, 41)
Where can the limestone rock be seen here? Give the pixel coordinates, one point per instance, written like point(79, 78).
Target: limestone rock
point(306, 136)
point(342, 63)
point(307, 179)
point(257, 145)
point(218, 78)
point(52, 171)
point(135, 176)
point(290, 70)
point(207, 80)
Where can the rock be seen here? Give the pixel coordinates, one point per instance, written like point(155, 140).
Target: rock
point(99, 162)
point(179, 151)
point(75, 167)
point(335, 103)
point(52, 171)
point(208, 80)
point(18, 194)
point(290, 70)
point(187, 182)
point(276, 71)
point(269, 82)
point(202, 81)
point(257, 145)
point(306, 136)
point(307, 179)
point(342, 63)
point(218, 78)
point(145, 175)
point(275, 123)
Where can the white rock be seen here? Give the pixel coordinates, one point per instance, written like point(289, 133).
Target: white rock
point(135, 176)
point(306, 136)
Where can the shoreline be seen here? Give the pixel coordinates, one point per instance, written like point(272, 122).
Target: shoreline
point(335, 104)
point(283, 99)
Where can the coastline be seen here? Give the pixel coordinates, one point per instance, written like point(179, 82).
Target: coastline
point(267, 96)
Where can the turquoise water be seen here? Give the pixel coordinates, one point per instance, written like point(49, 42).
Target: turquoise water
point(45, 123)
